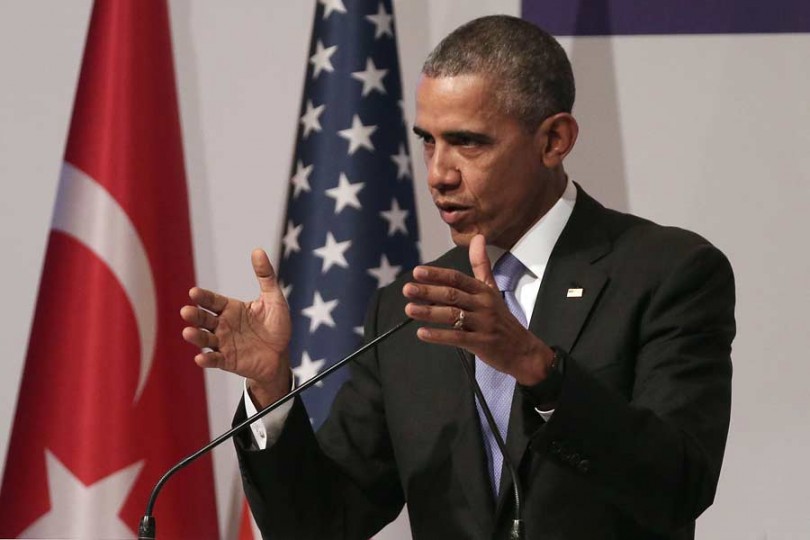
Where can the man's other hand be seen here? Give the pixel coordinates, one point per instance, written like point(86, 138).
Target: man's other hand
point(250, 339)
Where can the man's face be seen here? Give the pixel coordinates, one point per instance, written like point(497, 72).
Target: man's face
point(485, 170)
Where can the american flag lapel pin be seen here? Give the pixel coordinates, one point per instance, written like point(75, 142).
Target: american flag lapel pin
point(575, 292)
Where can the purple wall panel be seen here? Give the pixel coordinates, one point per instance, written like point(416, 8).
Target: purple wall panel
point(628, 17)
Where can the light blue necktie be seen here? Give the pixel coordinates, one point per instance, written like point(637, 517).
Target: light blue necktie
point(498, 387)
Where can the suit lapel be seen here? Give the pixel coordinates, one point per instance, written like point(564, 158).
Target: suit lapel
point(558, 316)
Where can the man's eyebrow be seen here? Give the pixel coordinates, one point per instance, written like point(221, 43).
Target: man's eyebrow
point(421, 132)
point(463, 135)
point(460, 135)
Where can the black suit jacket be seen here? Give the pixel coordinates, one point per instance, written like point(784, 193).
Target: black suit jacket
point(633, 450)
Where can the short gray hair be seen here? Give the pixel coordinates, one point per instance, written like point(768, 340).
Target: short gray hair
point(531, 70)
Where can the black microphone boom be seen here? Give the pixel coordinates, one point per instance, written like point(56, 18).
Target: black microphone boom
point(147, 529)
point(517, 531)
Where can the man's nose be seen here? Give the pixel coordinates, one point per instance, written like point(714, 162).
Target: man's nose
point(443, 172)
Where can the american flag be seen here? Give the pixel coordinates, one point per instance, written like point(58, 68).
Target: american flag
point(351, 220)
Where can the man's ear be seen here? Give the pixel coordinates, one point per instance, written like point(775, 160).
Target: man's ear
point(556, 137)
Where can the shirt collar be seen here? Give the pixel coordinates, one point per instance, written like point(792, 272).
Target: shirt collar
point(534, 248)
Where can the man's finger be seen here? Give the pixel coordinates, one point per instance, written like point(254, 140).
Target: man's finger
point(265, 274)
point(454, 338)
point(200, 338)
point(445, 276)
point(208, 299)
point(212, 359)
point(438, 294)
point(199, 317)
point(439, 315)
point(479, 260)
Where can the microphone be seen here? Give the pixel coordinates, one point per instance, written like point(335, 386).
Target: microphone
point(147, 526)
point(517, 531)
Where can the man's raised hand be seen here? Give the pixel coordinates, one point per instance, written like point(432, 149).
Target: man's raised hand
point(250, 339)
point(439, 296)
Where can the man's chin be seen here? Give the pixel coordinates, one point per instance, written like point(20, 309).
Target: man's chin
point(461, 239)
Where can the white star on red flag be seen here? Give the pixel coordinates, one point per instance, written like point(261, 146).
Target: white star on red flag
point(99, 504)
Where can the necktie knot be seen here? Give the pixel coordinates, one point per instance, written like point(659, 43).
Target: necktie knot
point(508, 271)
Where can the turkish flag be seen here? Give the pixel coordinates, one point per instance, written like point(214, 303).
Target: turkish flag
point(247, 527)
point(110, 396)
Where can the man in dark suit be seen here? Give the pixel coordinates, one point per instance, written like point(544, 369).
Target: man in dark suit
point(603, 349)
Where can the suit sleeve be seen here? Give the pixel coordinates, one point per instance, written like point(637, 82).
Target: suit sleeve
point(657, 457)
point(340, 484)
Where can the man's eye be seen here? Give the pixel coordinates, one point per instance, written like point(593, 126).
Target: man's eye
point(462, 140)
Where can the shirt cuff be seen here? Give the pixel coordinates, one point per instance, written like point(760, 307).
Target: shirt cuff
point(545, 415)
point(547, 392)
point(267, 430)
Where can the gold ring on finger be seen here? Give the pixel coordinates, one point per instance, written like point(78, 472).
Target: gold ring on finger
point(458, 324)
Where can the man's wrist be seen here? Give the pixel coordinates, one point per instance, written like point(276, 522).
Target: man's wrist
point(263, 394)
point(545, 394)
point(536, 363)
point(267, 430)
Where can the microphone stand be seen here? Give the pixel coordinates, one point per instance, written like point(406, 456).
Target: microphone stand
point(147, 528)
